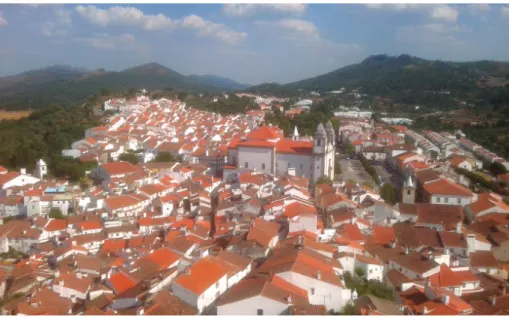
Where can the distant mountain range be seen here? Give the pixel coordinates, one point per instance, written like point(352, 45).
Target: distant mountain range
point(388, 75)
point(401, 76)
point(67, 85)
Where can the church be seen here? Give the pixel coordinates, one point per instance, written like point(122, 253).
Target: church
point(267, 150)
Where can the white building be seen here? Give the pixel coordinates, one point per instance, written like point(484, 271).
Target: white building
point(266, 150)
point(41, 169)
point(203, 283)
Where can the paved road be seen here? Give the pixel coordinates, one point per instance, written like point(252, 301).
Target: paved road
point(353, 170)
point(382, 172)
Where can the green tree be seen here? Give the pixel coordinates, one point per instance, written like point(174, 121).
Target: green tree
point(323, 180)
point(105, 91)
point(164, 157)
point(360, 271)
point(337, 167)
point(56, 213)
point(129, 157)
point(131, 92)
point(388, 193)
point(497, 168)
point(350, 149)
point(348, 310)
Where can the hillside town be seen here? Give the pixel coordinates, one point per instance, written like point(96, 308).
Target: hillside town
point(227, 215)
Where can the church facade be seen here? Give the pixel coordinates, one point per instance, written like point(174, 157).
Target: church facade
point(267, 150)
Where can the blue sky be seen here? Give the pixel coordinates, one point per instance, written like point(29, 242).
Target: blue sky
point(250, 43)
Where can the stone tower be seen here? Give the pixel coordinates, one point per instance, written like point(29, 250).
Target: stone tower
point(295, 135)
point(408, 191)
point(41, 169)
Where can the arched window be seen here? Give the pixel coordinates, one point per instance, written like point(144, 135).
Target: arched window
point(318, 142)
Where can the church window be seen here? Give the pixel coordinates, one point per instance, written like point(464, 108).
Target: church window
point(318, 142)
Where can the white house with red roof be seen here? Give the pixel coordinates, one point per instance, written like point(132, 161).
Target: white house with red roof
point(202, 283)
point(266, 150)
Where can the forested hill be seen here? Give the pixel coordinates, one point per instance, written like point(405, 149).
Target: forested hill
point(68, 86)
point(395, 75)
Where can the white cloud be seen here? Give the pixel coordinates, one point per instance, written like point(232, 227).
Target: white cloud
point(133, 17)
point(112, 42)
point(59, 26)
point(211, 29)
point(3, 22)
point(504, 11)
point(64, 16)
point(52, 29)
point(477, 8)
point(435, 33)
point(248, 9)
point(305, 34)
point(124, 16)
point(301, 27)
point(394, 6)
point(445, 13)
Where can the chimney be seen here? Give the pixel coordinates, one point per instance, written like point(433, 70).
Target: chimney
point(458, 227)
point(424, 310)
point(73, 299)
point(493, 300)
point(79, 275)
point(300, 242)
point(289, 299)
point(319, 275)
point(23, 171)
point(140, 311)
point(392, 244)
point(444, 299)
point(406, 250)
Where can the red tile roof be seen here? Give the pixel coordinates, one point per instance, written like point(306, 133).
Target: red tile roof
point(203, 274)
point(121, 282)
point(55, 225)
point(294, 147)
point(265, 132)
point(445, 187)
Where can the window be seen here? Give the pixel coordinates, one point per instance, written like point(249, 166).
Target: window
point(263, 166)
point(312, 291)
point(317, 167)
point(301, 166)
point(318, 142)
point(438, 200)
point(458, 200)
point(259, 312)
point(408, 192)
point(371, 271)
point(289, 165)
point(245, 165)
point(446, 200)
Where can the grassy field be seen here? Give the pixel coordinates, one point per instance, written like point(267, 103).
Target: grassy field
point(14, 114)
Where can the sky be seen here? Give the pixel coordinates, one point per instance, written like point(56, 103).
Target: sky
point(249, 43)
